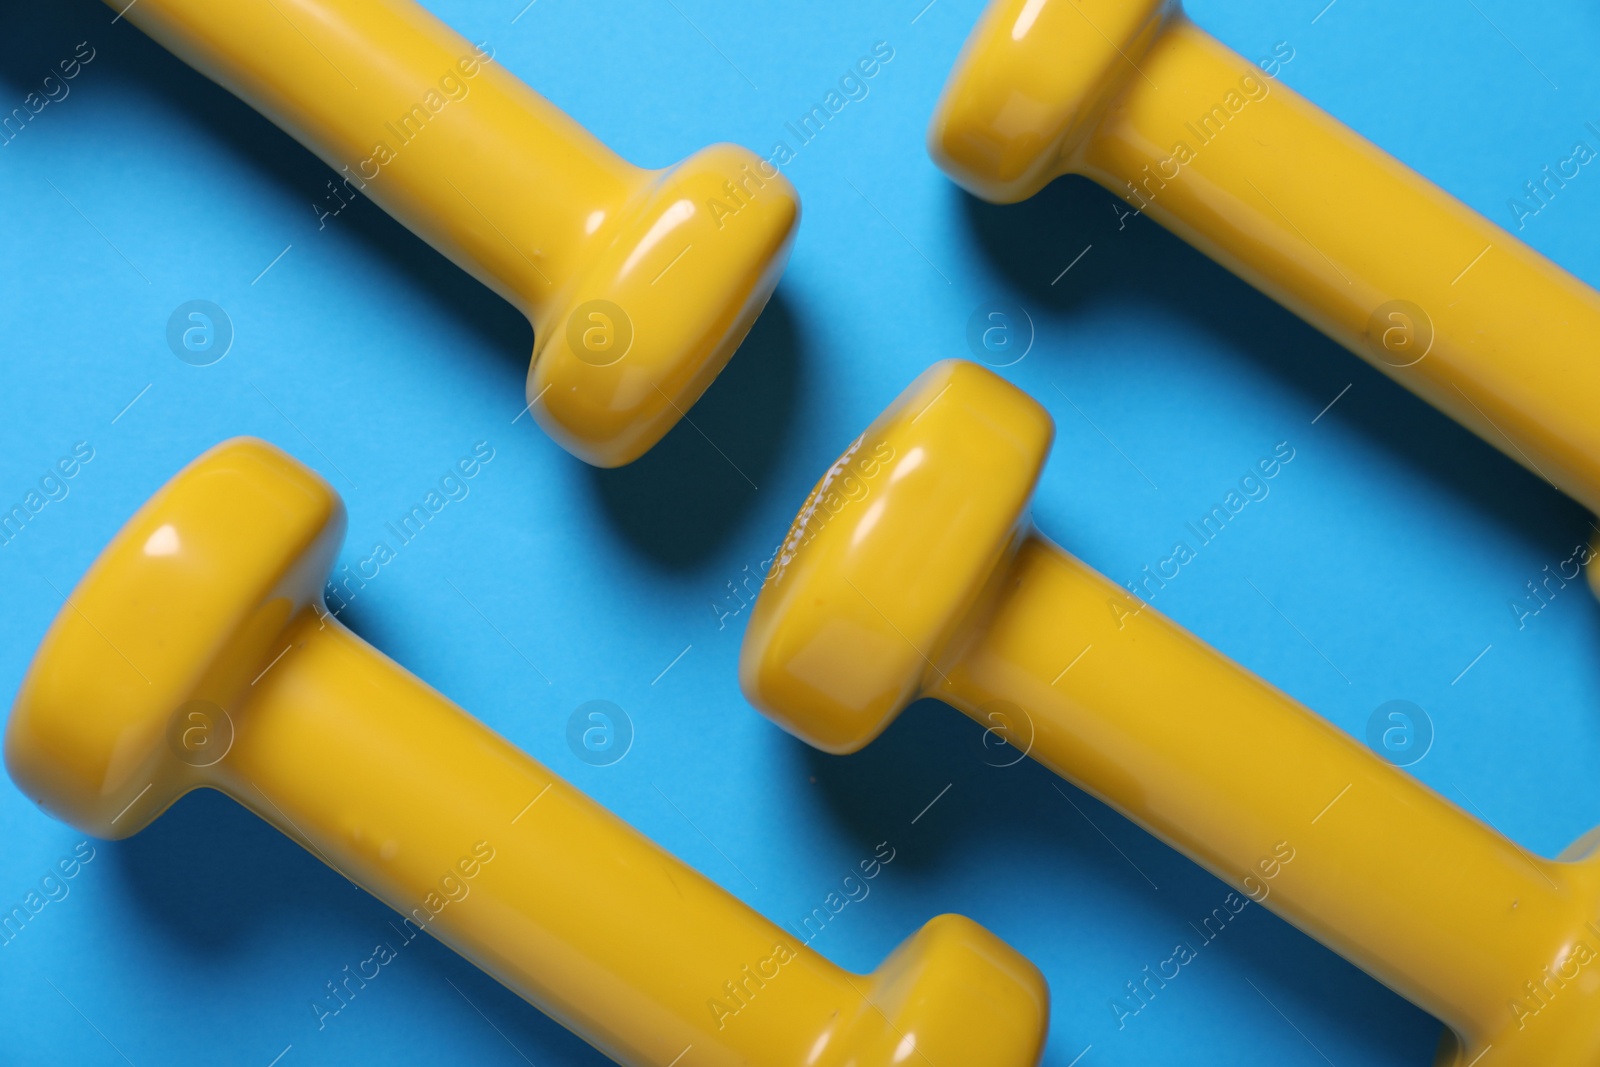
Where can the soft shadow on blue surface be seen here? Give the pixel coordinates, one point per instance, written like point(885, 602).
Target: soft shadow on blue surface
point(1044, 827)
point(1135, 261)
point(236, 129)
point(239, 876)
point(686, 497)
point(212, 878)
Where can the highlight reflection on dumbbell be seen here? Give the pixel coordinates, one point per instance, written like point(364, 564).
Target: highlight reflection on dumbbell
point(640, 284)
point(204, 615)
point(913, 571)
point(1133, 95)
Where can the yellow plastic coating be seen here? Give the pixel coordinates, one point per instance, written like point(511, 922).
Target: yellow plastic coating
point(197, 652)
point(640, 284)
point(1133, 95)
point(926, 578)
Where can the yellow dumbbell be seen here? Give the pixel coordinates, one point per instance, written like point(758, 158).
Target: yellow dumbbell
point(640, 284)
point(913, 571)
point(197, 651)
point(1133, 95)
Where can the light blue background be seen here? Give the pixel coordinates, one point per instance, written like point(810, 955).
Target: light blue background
point(1395, 540)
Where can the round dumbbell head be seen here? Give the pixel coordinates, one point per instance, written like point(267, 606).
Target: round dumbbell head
point(891, 553)
point(1033, 79)
point(963, 995)
point(656, 316)
point(181, 611)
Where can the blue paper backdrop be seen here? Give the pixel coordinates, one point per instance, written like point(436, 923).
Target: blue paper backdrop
point(1395, 541)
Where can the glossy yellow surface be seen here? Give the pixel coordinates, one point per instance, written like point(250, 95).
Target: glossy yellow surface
point(928, 579)
point(197, 652)
point(490, 173)
point(1133, 95)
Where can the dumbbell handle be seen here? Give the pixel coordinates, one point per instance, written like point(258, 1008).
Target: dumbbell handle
point(1222, 766)
point(498, 179)
point(1333, 228)
point(405, 794)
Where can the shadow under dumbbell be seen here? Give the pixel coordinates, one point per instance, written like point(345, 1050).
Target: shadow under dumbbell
point(684, 499)
point(215, 881)
point(209, 876)
point(1045, 856)
point(143, 75)
point(1135, 261)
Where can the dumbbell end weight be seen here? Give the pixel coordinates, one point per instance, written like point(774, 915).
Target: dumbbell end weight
point(850, 627)
point(957, 994)
point(1032, 82)
point(633, 342)
point(182, 609)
